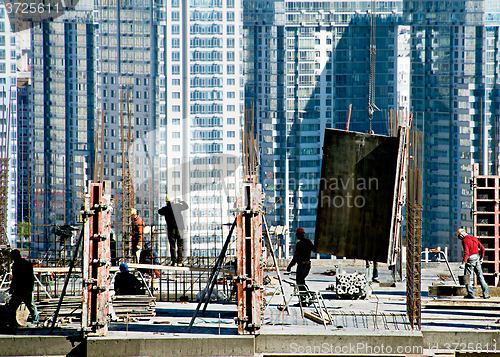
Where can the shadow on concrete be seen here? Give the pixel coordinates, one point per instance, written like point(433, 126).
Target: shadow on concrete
point(225, 328)
point(189, 313)
point(479, 313)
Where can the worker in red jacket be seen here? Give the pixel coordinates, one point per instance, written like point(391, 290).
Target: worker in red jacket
point(137, 233)
point(472, 262)
point(302, 258)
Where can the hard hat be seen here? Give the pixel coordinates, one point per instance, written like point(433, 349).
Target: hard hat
point(133, 211)
point(123, 267)
point(167, 199)
point(461, 233)
point(300, 230)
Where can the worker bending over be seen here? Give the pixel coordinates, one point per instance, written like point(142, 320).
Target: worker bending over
point(472, 262)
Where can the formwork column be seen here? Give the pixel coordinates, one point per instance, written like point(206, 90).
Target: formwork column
point(96, 259)
point(486, 221)
point(249, 252)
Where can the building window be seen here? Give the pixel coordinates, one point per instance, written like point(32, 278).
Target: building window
point(231, 82)
point(230, 108)
point(230, 120)
point(176, 82)
point(176, 95)
point(230, 56)
point(176, 188)
point(176, 56)
point(176, 108)
point(176, 69)
point(230, 16)
point(230, 134)
point(176, 174)
point(176, 121)
point(176, 43)
point(176, 148)
point(230, 69)
point(230, 94)
point(230, 29)
point(176, 134)
point(230, 43)
point(175, 3)
point(175, 29)
point(230, 4)
point(230, 147)
point(175, 15)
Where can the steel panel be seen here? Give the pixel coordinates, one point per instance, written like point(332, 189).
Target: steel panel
point(357, 195)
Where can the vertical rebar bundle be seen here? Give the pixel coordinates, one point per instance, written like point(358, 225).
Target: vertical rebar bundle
point(250, 153)
point(414, 228)
point(4, 193)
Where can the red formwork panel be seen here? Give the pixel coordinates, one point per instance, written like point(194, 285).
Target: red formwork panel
point(248, 252)
point(96, 259)
point(486, 219)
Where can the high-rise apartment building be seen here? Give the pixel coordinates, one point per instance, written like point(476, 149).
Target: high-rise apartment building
point(200, 80)
point(62, 122)
point(306, 63)
point(8, 129)
point(455, 48)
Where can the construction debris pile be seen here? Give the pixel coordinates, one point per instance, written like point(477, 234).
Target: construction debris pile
point(351, 286)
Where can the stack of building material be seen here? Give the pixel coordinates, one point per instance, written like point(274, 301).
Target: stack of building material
point(134, 305)
point(351, 286)
point(71, 309)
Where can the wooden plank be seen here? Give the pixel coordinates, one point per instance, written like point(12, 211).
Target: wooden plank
point(316, 318)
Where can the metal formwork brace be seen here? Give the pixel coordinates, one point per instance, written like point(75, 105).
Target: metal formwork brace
point(96, 259)
point(248, 253)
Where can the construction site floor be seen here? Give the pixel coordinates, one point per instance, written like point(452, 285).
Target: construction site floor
point(373, 326)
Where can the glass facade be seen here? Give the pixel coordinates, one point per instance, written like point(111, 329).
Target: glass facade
point(127, 88)
point(147, 95)
point(305, 63)
point(63, 122)
point(454, 101)
point(8, 127)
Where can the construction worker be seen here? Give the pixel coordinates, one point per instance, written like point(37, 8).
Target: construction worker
point(472, 262)
point(137, 233)
point(21, 288)
point(126, 283)
point(302, 258)
point(375, 278)
point(175, 226)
